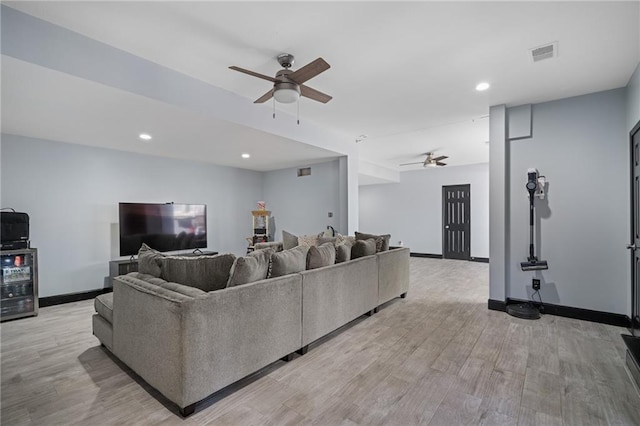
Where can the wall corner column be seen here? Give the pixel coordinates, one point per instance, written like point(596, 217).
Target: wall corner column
point(498, 203)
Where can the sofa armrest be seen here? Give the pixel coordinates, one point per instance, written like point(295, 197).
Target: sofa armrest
point(190, 347)
point(393, 274)
point(148, 332)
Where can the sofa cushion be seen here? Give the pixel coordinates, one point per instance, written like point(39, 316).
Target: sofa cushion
point(251, 268)
point(343, 253)
point(382, 241)
point(289, 240)
point(288, 261)
point(208, 273)
point(148, 260)
point(323, 255)
point(104, 306)
point(363, 248)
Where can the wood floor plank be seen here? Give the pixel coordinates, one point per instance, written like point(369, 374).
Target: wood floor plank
point(437, 357)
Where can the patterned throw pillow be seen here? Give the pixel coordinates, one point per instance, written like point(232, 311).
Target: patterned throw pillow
point(324, 240)
point(148, 261)
point(308, 240)
point(345, 239)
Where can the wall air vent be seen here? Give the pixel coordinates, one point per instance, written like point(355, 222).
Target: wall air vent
point(546, 51)
point(305, 171)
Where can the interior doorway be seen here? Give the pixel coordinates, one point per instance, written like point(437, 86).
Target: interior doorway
point(635, 230)
point(456, 222)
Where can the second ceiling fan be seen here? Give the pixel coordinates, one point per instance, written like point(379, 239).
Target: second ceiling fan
point(287, 84)
point(430, 161)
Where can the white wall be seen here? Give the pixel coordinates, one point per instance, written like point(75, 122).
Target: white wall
point(300, 205)
point(71, 193)
point(33, 40)
point(411, 211)
point(633, 99)
point(581, 145)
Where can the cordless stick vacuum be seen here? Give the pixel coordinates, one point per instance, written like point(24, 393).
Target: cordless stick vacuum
point(528, 310)
point(532, 263)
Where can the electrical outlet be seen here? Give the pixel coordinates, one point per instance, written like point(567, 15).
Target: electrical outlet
point(535, 283)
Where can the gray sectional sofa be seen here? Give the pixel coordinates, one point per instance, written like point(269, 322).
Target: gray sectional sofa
point(188, 343)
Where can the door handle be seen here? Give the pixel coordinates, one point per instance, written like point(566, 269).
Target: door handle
point(631, 246)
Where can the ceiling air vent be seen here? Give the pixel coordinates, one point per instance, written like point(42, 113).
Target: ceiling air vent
point(305, 171)
point(547, 51)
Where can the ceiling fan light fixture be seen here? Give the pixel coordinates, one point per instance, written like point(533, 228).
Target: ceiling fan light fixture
point(286, 93)
point(431, 164)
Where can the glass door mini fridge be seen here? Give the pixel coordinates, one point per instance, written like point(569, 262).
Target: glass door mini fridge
point(18, 283)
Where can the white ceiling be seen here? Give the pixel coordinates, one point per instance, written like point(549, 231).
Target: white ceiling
point(70, 109)
point(403, 73)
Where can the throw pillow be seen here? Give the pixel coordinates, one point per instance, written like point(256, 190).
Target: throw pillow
point(382, 241)
point(275, 245)
point(345, 239)
point(289, 240)
point(363, 248)
point(251, 268)
point(324, 240)
point(288, 261)
point(323, 255)
point(308, 240)
point(148, 261)
point(343, 253)
point(207, 273)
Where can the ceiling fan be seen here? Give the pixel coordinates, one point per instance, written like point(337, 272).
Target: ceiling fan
point(287, 84)
point(430, 161)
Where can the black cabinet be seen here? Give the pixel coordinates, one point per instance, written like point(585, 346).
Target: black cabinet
point(18, 283)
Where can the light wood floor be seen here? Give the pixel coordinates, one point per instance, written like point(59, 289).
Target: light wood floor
point(438, 357)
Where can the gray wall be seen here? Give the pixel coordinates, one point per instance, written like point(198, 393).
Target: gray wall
point(411, 211)
point(300, 205)
point(581, 145)
point(72, 192)
point(633, 99)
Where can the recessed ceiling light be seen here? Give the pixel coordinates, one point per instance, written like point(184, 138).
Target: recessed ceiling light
point(145, 136)
point(482, 86)
point(245, 155)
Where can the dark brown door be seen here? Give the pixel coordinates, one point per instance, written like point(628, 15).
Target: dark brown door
point(456, 222)
point(635, 230)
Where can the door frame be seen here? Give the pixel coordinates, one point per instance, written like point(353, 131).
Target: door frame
point(444, 207)
point(635, 304)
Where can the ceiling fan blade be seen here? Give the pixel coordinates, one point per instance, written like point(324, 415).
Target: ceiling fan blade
point(438, 163)
point(309, 71)
point(442, 157)
point(264, 98)
point(409, 164)
point(255, 74)
point(314, 94)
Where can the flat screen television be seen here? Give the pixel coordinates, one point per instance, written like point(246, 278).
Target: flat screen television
point(164, 227)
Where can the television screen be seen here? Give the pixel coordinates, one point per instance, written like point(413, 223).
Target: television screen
point(164, 227)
